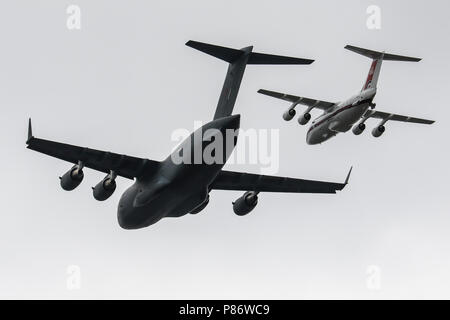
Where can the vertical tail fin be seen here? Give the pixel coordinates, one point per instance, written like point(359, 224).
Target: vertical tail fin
point(374, 74)
point(238, 60)
point(378, 57)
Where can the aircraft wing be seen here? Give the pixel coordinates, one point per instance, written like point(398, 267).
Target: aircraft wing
point(319, 104)
point(122, 165)
point(395, 117)
point(228, 180)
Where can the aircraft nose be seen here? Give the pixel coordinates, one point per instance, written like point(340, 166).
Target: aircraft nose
point(311, 140)
point(124, 219)
point(132, 218)
point(308, 137)
point(128, 216)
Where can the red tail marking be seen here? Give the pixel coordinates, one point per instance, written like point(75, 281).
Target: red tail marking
point(371, 73)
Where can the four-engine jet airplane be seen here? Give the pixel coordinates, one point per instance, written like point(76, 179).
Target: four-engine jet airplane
point(341, 116)
point(170, 189)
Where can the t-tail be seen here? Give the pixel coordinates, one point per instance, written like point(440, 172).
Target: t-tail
point(377, 57)
point(238, 59)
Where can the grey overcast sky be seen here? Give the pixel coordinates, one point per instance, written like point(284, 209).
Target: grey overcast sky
point(126, 80)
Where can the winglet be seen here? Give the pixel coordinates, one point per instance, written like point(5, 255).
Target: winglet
point(348, 176)
point(30, 130)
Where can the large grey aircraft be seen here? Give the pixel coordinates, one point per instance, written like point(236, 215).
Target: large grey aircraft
point(339, 117)
point(169, 189)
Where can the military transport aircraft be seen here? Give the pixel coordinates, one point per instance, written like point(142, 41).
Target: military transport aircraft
point(339, 117)
point(169, 189)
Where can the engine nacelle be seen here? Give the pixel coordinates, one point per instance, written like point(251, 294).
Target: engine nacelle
point(105, 188)
point(378, 131)
point(72, 178)
point(358, 129)
point(289, 114)
point(245, 204)
point(304, 118)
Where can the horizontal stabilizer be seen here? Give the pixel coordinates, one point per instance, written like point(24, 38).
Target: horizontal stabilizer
point(227, 54)
point(376, 55)
point(261, 58)
point(232, 55)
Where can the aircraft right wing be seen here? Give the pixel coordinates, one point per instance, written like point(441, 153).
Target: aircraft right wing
point(319, 104)
point(395, 117)
point(228, 180)
point(123, 165)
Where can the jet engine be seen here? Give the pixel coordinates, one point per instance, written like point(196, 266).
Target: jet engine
point(378, 131)
point(304, 119)
point(245, 204)
point(72, 178)
point(105, 188)
point(289, 114)
point(358, 129)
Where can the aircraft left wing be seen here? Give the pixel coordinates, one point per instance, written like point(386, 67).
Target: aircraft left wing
point(395, 117)
point(228, 180)
point(123, 165)
point(313, 103)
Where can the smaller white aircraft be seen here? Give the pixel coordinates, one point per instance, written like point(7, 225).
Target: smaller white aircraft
point(340, 117)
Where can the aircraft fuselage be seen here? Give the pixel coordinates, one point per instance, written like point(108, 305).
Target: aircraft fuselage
point(175, 189)
point(340, 118)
